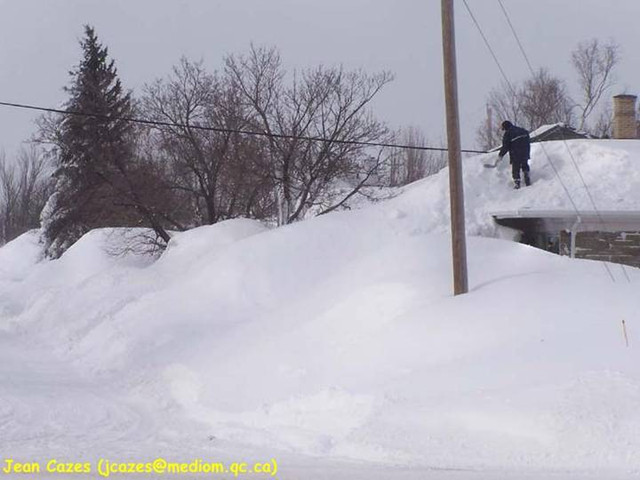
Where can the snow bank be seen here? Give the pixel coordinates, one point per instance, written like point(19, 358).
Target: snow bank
point(17, 257)
point(338, 337)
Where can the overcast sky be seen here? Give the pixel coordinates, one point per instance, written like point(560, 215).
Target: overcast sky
point(39, 45)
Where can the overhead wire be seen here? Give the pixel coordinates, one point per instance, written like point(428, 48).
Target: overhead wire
point(159, 123)
point(513, 30)
point(488, 45)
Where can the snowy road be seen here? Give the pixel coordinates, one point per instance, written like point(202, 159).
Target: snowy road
point(45, 406)
point(49, 410)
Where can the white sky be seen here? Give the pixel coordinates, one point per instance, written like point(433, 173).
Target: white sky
point(39, 45)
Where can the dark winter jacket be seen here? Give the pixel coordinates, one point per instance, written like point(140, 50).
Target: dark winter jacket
point(516, 142)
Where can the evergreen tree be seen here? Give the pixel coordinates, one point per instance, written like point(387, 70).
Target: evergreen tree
point(91, 153)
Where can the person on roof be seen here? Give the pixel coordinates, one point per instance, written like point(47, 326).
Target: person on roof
point(516, 141)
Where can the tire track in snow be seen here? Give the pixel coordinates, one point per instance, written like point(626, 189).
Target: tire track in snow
point(46, 407)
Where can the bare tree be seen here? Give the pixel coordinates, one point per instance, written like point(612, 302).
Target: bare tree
point(603, 127)
point(594, 63)
point(213, 167)
point(505, 103)
point(8, 199)
point(486, 133)
point(25, 186)
point(327, 103)
point(541, 99)
point(545, 100)
point(409, 165)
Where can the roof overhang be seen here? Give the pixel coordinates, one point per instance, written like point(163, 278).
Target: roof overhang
point(556, 220)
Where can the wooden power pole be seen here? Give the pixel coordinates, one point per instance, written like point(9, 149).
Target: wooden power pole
point(456, 193)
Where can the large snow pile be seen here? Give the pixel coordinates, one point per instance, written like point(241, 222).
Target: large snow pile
point(337, 337)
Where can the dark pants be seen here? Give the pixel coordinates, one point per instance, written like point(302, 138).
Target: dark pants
point(518, 164)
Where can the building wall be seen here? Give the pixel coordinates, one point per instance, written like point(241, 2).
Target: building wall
point(616, 247)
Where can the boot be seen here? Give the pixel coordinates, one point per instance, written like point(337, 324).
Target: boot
point(516, 184)
point(527, 179)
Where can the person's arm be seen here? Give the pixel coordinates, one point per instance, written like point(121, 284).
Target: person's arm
point(528, 145)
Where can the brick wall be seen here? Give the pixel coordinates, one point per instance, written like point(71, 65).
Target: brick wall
point(616, 247)
point(625, 124)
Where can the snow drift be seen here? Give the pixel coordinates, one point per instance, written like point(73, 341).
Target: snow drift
point(338, 337)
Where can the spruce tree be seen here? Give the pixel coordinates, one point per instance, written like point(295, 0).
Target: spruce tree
point(90, 152)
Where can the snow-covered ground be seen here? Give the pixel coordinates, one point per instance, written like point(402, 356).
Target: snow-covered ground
point(334, 345)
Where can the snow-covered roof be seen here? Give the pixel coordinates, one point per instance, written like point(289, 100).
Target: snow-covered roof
point(543, 129)
point(557, 131)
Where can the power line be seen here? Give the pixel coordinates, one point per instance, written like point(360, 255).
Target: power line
point(513, 30)
point(488, 45)
point(158, 123)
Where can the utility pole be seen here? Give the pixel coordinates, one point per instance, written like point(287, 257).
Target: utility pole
point(456, 193)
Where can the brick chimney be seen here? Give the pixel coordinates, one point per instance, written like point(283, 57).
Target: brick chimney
point(625, 124)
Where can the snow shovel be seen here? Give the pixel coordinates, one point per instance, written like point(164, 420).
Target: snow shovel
point(492, 164)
